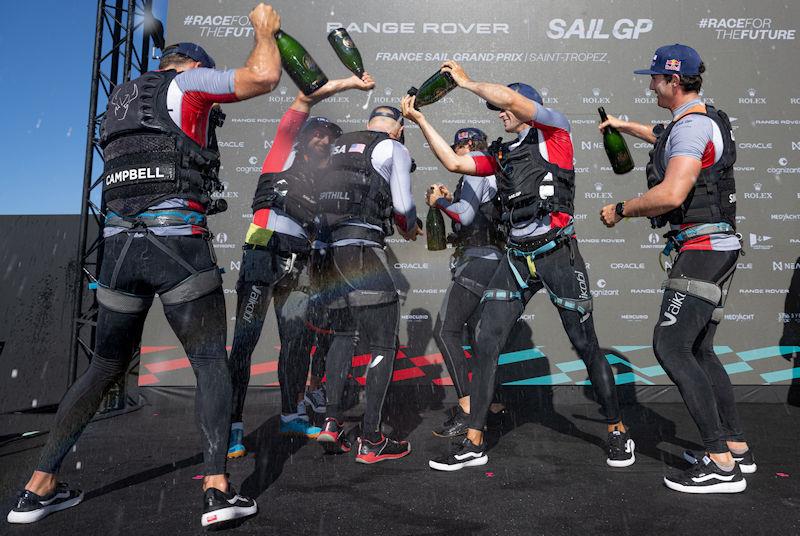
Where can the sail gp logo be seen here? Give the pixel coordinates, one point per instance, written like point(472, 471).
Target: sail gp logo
point(673, 309)
point(598, 28)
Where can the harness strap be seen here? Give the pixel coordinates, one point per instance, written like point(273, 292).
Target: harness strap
point(500, 295)
point(164, 218)
point(718, 315)
point(710, 292)
point(470, 284)
point(122, 302)
point(195, 286)
point(676, 241)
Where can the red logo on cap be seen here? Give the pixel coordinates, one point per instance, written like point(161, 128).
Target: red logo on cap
point(673, 65)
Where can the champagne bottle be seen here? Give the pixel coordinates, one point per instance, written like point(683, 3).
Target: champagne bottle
point(433, 89)
point(299, 64)
point(434, 230)
point(344, 47)
point(616, 148)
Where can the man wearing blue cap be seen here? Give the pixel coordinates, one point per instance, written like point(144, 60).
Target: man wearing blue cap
point(161, 168)
point(536, 184)
point(479, 240)
point(692, 188)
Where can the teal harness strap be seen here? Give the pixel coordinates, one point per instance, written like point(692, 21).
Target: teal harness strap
point(583, 306)
point(705, 229)
point(500, 295)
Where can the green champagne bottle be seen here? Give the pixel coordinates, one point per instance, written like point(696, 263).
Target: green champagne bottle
point(433, 89)
point(435, 231)
point(299, 64)
point(344, 47)
point(616, 148)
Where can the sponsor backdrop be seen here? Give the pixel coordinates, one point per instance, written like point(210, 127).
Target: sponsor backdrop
point(580, 55)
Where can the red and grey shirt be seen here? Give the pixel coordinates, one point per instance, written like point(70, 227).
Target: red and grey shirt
point(698, 136)
point(555, 145)
point(190, 96)
point(280, 157)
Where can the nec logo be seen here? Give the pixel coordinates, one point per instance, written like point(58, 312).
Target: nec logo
point(778, 266)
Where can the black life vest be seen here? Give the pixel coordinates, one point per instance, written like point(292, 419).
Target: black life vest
point(713, 198)
point(352, 188)
point(529, 186)
point(291, 191)
point(486, 228)
point(148, 158)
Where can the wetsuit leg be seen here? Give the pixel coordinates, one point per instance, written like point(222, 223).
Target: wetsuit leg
point(117, 337)
point(564, 271)
point(459, 305)
point(253, 293)
point(291, 310)
point(497, 319)
point(338, 361)
point(682, 321)
point(201, 327)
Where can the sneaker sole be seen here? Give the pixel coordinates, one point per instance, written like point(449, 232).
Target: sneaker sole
point(748, 469)
point(36, 515)
point(722, 487)
point(470, 463)
point(237, 454)
point(313, 435)
point(371, 458)
point(228, 514)
point(624, 463)
point(440, 434)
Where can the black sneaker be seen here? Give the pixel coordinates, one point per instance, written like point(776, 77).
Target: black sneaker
point(620, 449)
point(746, 461)
point(462, 454)
point(707, 477)
point(454, 426)
point(219, 507)
point(31, 507)
point(385, 449)
point(333, 438)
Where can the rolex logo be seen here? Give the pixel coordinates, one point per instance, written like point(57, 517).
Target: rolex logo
point(544, 91)
point(596, 91)
point(598, 186)
point(282, 90)
point(648, 92)
point(757, 186)
point(751, 92)
point(388, 91)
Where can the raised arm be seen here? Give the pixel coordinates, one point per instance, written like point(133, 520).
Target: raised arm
point(498, 95)
point(262, 71)
point(304, 103)
point(450, 160)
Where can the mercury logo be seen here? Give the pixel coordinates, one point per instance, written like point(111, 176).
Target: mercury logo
point(673, 309)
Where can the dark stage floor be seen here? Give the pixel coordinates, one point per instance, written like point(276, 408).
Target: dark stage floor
point(546, 475)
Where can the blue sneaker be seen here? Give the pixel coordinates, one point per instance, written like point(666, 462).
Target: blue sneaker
point(235, 446)
point(298, 426)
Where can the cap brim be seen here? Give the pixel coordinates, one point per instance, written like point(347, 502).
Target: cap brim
point(646, 71)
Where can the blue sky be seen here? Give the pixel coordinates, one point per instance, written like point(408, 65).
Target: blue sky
point(45, 71)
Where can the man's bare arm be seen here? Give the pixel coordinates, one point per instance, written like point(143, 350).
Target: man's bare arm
point(262, 70)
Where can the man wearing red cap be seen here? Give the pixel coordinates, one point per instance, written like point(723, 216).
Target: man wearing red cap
point(692, 189)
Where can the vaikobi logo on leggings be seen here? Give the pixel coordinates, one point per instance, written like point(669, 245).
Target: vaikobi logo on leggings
point(673, 309)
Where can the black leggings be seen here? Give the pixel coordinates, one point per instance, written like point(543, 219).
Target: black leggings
point(565, 273)
point(360, 274)
point(470, 277)
point(684, 345)
point(199, 324)
point(267, 274)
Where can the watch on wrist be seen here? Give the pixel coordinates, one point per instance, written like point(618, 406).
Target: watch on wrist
point(619, 209)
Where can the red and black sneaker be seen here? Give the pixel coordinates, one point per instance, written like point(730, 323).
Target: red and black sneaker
point(333, 438)
point(385, 449)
